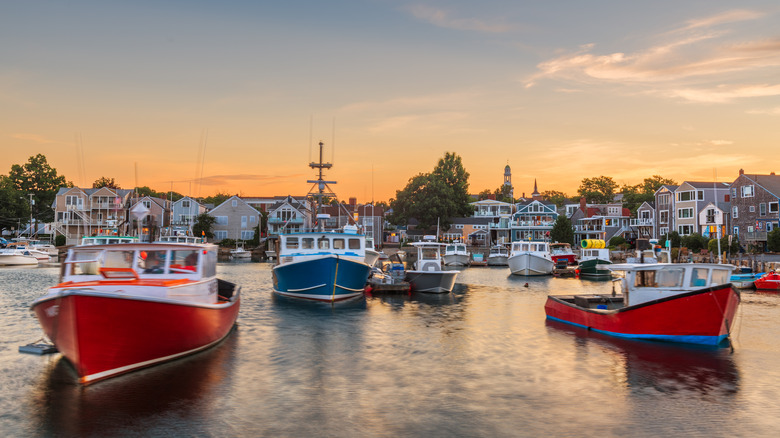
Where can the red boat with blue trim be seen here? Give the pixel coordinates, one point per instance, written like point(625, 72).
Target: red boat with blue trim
point(688, 303)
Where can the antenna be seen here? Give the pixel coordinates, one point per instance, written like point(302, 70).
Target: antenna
point(136, 176)
point(311, 123)
point(333, 141)
point(203, 159)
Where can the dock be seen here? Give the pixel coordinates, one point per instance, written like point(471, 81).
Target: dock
point(568, 271)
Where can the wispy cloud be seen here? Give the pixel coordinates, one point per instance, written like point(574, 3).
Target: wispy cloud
point(684, 65)
point(35, 138)
point(445, 19)
point(221, 180)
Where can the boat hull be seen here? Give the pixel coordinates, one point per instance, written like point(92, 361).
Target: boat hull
point(456, 259)
point(327, 278)
point(104, 335)
point(770, 281)
point(500, 260)
point(18, 260)
point(570, 259)
point(700, 317)
point(431, 281)
point(590, 269)
point(530, 265)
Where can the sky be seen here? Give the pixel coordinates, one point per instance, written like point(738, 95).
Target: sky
point(204, 97)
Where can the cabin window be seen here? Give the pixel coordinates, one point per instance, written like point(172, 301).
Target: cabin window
point(354, 243)
point(184, 261)
point(429, 254)
point(666, 278)
point(338, 244)
point(323, 243)
point(307, 243)
point(720, 276)
point(450, 248)
point(152, 262)
point(699, 277)
point(86, 263)
point(291, 243)
point(210, 264)
point(118, 259)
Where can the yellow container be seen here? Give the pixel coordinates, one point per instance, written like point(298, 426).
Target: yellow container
point(593, 244)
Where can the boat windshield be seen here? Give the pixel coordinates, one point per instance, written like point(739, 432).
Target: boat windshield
point(665, 278)
point(429, 253)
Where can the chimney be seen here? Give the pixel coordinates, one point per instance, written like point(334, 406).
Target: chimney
point(352, 201)
point(772, 173)
point(583, 205)
point(741, 171)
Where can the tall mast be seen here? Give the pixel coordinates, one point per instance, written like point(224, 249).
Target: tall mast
point(321, 186)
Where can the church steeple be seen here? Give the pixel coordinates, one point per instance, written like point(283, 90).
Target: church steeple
point(535, 195)
point(508, 180)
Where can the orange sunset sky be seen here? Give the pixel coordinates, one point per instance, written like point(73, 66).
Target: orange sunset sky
point(560, 91)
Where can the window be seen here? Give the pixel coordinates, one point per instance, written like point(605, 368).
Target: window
point(152, 262)
point(685, 230)
point(307, 243)
point(235, 203)
point(663, 199)
point(750, 228)
point(762, 209)
point(291, 243)
point(220, 234)
point(252, 219)
point(700, 195)
point(338, 243)
point(752, 208)
point(685, 196)
point(734, 192)
point(699, 277)
point(747, 191)
point(773, 207)
point(736, 231)
point(147, 204)
point(664, 217)
point(323, 243)
point(244, 221)
point(354, 243)
point(734, 212)
point(185, 204)
point(247, 234)
point(221, 220)
point(685, 213)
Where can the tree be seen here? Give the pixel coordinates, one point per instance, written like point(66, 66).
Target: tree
point(485, 194)
point(599, 190)
point(434, 197)
point(634, 196)
point(216, 199)
point(773, 240)
point(694, 242)
point(556, 197)
point(673, 237)
point(105, 182)
point(14, 208)
point(504, 193)
point(202, 226)
point(451, 172)
point(38, 178)
point(562, 230)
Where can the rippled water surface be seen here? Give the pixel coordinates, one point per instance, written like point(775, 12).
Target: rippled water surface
point(481, 361)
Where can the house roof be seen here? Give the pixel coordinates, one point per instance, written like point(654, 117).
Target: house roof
point(706, 184)
point(770, 183)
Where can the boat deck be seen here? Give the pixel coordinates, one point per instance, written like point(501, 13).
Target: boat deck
point(602, 302)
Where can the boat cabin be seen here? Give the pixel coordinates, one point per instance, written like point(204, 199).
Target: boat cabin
point(139, 261)
point(456, 248)
point(299, 246)
point(529, 246)
point(428, 256)
point(647, 282)
point(107, 240)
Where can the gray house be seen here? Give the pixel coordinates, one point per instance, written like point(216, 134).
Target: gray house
point(235, 219)
point(184, 213)
point(690, 198)
point(754, 207)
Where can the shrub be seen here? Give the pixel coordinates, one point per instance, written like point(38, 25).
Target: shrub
point(60, 240)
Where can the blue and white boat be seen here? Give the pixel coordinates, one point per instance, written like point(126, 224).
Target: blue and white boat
point(321, 265)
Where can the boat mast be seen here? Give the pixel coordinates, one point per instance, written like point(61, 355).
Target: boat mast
point(321, 186)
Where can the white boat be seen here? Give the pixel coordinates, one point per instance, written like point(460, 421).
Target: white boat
point(41, 256)
point(106, 239)
point(530, 258)
point(239, 253)
point(38, 245)
point(456, 254)
point(17, 257)
point(498, 256)
point(428, 275)
point(190, 240)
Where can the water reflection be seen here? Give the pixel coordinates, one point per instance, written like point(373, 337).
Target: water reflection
point(181, 390)
point(665, 367)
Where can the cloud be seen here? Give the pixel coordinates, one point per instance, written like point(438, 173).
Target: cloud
point(35, 138)
point(220, 180)
point(684, 65)
point(441, 18)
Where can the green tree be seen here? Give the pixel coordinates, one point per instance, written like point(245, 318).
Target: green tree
point(14, 208)
point(451, 172)
point(485, 194)
point(105, 182)
point(599, 190)
point(773, 240)
point(673, 237)
point(216, 199)
point(562, 230)
point(38, 178)
point(634, 196)
point(694, 242)
point(434, 197)
point(504, 193)
point(556, 197)
point(202, 226)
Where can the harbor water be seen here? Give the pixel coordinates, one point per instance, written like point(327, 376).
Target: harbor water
point(479, 362)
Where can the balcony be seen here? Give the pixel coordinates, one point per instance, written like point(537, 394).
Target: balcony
point(277, 221)
point(641, 222)
point(530, 224)
point(758, 236)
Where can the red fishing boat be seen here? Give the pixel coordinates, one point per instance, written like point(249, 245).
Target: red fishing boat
point(769, 281)
point(122, 307)
point(689, 303)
